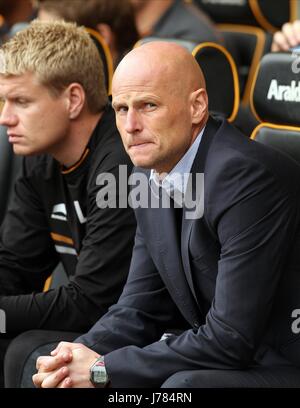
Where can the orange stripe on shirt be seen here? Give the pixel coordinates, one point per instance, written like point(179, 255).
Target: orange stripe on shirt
point(61, 238)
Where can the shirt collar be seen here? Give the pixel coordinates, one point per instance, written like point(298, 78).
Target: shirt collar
point(177, 179)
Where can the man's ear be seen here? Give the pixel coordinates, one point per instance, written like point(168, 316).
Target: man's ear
point(76, 99)
point(199, 105)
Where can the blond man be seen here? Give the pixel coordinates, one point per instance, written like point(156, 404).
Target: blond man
point(57, 115)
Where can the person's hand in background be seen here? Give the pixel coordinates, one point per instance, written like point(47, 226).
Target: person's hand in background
point(287, 38)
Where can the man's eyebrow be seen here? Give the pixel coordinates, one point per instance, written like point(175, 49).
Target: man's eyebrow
point(117, 103)
point(137, 99)
point(6, 95)
point(16, 94)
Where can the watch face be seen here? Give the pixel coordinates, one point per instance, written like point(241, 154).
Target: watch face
point(98, 373)
point(100, 377)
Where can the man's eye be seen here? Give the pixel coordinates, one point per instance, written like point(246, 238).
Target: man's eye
point(21, 101)
point(122, 109)
point(150, 105)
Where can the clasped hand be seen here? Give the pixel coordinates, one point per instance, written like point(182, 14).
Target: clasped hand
point(68, 366)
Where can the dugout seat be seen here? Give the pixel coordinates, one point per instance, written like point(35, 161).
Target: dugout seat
point(267, 14)
point(247, 46)
point(233, 11)
point(275, 101)
point(271, 15)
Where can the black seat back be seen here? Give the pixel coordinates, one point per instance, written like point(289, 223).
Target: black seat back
point(276, 102)
point(221, 77)
point(233, 11)
point(247, 45)
point(267, 14)
point(271, 15)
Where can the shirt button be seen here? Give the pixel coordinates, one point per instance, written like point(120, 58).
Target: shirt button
point(196, 325)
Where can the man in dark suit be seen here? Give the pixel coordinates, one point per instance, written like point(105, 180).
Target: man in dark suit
point(229, 279)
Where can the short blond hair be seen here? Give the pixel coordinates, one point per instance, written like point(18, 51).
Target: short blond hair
point(58, 53)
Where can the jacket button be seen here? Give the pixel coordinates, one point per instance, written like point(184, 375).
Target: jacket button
point(196, 325)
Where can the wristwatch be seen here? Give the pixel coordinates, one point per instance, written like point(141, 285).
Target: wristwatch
point(98, 374)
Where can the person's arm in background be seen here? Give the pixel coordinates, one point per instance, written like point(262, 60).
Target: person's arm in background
point(287, 38)
point(27, 255)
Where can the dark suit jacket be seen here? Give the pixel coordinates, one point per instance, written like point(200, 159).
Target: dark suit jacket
point(233, 278)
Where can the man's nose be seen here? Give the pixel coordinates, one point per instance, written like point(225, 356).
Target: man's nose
point(7, 117)
point(133, 122)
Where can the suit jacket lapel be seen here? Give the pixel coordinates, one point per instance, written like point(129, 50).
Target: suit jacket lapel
point(187, 223)
point(185, 236)
point(170, 258)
